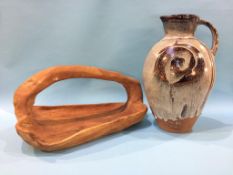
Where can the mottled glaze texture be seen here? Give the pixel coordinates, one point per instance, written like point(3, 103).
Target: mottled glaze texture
point(179, 72)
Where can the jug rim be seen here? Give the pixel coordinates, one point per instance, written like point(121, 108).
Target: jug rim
point(188, 17)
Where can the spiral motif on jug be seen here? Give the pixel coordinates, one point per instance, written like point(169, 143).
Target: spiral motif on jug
point(178, 64)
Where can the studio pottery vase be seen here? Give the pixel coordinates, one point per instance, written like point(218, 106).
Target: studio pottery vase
point(179, 73)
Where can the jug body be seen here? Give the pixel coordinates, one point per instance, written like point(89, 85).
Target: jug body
point(179, 73)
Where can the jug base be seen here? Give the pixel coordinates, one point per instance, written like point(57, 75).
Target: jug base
point(178, 125)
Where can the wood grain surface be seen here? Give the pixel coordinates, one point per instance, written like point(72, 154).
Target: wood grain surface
point(51, 128)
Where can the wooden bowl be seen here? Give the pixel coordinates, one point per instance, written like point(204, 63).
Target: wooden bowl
point(51, 128)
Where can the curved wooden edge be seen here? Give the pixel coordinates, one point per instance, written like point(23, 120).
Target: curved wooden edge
point(75, 112)
point(25, 95)
point(86, 122)
point(85, 136)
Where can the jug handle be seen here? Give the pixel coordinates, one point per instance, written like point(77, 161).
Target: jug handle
point(214, 33)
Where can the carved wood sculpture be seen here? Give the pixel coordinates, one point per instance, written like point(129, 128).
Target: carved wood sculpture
point(51, 128)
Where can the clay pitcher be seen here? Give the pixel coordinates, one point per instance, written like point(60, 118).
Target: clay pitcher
point(179, 73)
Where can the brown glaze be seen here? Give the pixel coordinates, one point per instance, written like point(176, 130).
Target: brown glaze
point(180, 24)
point(181, 69)
point(51, 128)
point(179, 73)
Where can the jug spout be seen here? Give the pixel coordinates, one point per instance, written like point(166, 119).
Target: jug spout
point(181, 24)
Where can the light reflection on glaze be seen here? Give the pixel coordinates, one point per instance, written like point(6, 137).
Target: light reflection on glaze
point(178, 64)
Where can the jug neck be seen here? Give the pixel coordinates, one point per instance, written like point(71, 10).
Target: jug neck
point(183, 25)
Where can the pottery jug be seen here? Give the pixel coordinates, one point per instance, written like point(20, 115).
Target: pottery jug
point(179, 73)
